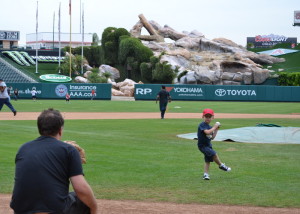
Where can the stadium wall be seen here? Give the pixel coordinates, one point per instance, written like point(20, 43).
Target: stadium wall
point(221, 92)
point(58, 91)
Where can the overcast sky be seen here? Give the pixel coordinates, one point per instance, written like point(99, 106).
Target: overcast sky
point(231, 19)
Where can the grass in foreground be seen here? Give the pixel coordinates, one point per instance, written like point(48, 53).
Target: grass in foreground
point(144, 160)
point(150, 106)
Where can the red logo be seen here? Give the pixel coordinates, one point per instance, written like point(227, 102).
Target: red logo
point(262, 39)
point(278, 52)
point(168, 89)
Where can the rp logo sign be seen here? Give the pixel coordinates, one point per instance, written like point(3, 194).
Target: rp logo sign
point(143, 91)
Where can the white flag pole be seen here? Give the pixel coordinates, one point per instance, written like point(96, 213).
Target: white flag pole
point(80, 17)
point(53, 30)
point(82, 39)
point(36, 38)
point(70, 54)
point(59, 45)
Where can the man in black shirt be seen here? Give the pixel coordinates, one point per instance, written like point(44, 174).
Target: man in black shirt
point(44, 169)
point(164, 97)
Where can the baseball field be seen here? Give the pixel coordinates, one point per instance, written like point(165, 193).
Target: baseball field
point(139, 159)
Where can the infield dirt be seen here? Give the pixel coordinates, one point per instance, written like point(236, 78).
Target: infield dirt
point(136, 115)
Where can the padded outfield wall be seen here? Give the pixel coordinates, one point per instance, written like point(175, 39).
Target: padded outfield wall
point(59, 90)
point(221, 92)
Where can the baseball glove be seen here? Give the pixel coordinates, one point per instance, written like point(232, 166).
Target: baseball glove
point(80, 150)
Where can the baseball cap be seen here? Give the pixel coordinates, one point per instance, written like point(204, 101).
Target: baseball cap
point(208, 111)
point(2, 84)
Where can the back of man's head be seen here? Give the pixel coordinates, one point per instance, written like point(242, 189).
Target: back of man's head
point(50, 122)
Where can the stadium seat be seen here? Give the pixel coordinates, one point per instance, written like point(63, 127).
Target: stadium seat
point(11, 74)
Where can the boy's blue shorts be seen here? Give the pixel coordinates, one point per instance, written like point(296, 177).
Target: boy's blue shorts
point(208, 153)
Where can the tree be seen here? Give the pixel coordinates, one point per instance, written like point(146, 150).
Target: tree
point(156, 72)
point(95, 39)
point(110, 44)
point(96, 77)
point(65, 66)
point(75, 65)
point(132, 53)
point(93, 54)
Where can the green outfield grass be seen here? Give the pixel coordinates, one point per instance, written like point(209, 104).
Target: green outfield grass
point(150, 106)
point(144, 160)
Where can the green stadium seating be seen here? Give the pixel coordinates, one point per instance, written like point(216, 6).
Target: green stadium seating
point(11, 74)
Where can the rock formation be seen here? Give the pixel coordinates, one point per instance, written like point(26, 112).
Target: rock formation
point(203, 61)
point(124, 88)
point(115, 73)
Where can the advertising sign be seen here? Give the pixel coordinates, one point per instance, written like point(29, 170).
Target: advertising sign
point(220, 92)
point(297, 18)
point(182, 92)
point(59, 91)
point(55, 78)
point(264, 41)
point(10, 35)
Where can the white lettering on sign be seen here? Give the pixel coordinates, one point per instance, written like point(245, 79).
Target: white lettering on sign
point(83, 87)
point(270, 38)
point(188, 90)
point(241, 92)
point(143, 91)
point(223, 92)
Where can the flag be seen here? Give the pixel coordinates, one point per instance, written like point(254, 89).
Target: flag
point(70, 7)
point(37, 14)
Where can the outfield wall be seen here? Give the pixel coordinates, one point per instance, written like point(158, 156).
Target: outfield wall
point(221, 92)
point(59, 90)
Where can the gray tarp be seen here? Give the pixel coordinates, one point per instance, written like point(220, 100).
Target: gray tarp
point(289, 135)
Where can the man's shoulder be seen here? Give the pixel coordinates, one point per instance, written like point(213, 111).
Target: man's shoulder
point(48, 142)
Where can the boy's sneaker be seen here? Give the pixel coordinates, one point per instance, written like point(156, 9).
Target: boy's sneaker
point(206, 177)
point(224, 167)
